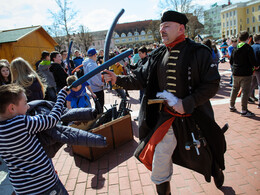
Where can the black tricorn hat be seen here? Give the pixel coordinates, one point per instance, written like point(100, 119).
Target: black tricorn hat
point(173, 16)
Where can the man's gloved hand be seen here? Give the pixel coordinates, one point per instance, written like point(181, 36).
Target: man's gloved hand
point(178, 107)
point(172, 101)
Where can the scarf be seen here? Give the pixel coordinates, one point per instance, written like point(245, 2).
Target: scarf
point(179, 39)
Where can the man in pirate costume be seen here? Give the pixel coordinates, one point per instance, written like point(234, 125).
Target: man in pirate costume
point(184, 133)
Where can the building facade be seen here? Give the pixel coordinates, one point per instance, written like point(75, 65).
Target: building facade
point(212, 21)
point(239, 17)
point(136, 34)
point(133, 34)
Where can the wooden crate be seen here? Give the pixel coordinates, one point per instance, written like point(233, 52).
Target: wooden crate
point(117, 132)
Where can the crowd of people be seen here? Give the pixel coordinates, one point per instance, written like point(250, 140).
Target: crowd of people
point(160, 69)
point(243, 54)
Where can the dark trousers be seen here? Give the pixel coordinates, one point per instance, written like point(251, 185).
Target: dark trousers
point(101, 98)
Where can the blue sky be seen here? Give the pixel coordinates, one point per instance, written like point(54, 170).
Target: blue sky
point(94, 14)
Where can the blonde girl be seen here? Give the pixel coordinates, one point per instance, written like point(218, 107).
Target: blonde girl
point(24, 75)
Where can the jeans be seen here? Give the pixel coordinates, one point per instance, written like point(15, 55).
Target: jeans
point(57, 189)
point(244, 82)
point(256, 82)
point(101, 98)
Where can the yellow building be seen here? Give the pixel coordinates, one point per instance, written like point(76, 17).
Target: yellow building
point(240, 16)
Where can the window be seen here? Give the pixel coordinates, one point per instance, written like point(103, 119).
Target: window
point(142, 32)
point(123, 40)
point(253, 29)
point(253, 19)
point(258, 28)
point(247, 20)
point(129, 34)
point(136, 33)
point(230, 32)
point(143, 37)
point(253, 9)
point(227, 33)
point(130, 39)
point(136, 38)
point(248, 30)
point(223, 16)
point(116, 35)
point(235, 22)
point(247, 11)
point(227, 23)
point(123, 35)
point(235, 32)
point(98, 43)
point(230, 13)
point(258, 7)
point(93, 44)
point(234, 12)
point(117, 41)
point(149, 32)
point(226, 15)
point(150, 37)
point(230, 23)
point(258, 18)
point(223, 24)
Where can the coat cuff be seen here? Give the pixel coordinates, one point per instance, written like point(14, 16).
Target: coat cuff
point(188, 104)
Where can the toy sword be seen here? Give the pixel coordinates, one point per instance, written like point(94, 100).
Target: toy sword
point(68, 57)
point(108, 39)
point(101, 67)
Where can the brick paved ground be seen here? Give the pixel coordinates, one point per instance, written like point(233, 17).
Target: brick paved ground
point(118, 172)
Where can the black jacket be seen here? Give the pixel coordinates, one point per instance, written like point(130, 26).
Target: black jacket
point(243, 60)
point(59, 74)
point(204, 85)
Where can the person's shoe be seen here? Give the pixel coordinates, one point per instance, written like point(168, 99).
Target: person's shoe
point(251, 100)
point(163, 188)
point(219, 179)
point(247, 114)
point(232, 109)
point(254, 98)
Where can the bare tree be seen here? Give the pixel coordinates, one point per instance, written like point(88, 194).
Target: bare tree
point(56, 33)
point(154, 27)
point(193, 12)
point(84, 38)
point(64, 17)
point(177, 5)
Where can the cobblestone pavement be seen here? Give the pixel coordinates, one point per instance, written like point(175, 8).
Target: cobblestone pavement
point(118, 172)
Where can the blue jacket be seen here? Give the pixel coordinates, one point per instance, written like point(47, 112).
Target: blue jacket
point(53, 139)
point(256, 48)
